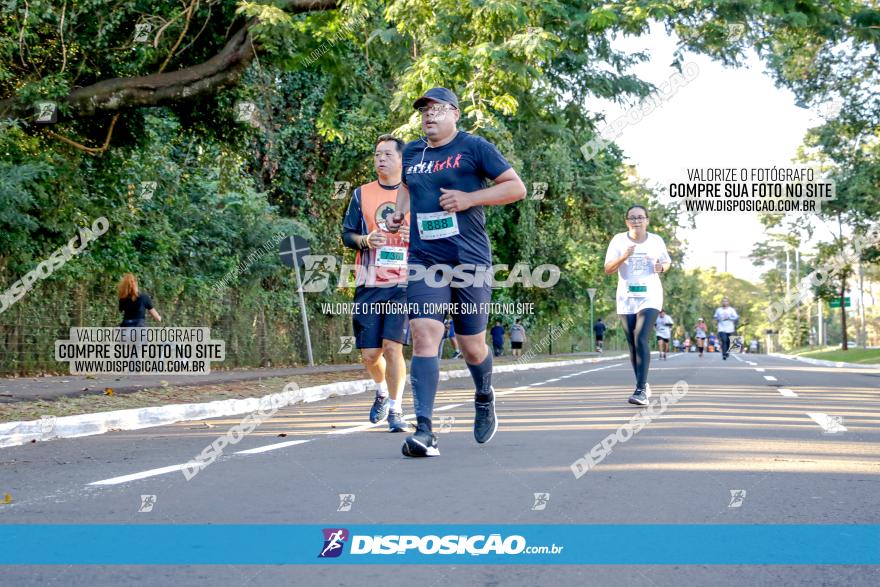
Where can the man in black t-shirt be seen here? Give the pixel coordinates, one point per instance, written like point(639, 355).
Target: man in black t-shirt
point(444, 177)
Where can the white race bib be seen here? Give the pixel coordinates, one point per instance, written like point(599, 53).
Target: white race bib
point(435, 225)
point(639, 268)
point(391, 257)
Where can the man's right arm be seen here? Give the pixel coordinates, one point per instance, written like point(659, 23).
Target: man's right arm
point(401, 208)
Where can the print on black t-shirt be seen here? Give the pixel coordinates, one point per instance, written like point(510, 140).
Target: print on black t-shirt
point(464, 164)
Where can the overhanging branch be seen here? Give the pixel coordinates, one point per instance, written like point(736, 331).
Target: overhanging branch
point(115, 95)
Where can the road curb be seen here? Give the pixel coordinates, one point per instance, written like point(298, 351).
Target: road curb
point(51, 427)
point(822, 363)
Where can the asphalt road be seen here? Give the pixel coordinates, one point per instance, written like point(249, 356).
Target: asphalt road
point(796, 444)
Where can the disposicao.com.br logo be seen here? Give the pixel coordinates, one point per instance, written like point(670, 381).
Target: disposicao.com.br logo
point(430, 544)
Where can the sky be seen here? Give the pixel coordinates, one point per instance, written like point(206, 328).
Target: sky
point(724, 117)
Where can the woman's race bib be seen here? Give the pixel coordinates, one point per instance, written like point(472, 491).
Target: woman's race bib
point(637, 282)
point(435, 225)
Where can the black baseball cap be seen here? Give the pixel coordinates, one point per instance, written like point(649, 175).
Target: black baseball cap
point(440, 95)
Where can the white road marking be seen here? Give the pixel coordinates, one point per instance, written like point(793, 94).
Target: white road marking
point(828, 424)
point(759, 369)
point(268, 447)
point(787, 392)
point(769, 378)
point(451, 406)
point(553, 380)
point(141, 475)
point(752, 363)
point(173, 468)
point(360, 427)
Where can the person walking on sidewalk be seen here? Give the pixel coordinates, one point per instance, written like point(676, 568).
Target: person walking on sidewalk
point(517, 338)
point(599, 330)
point(133, 303)
point(497, 333)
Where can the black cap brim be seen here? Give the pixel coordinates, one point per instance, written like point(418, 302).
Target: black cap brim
point(425, 99)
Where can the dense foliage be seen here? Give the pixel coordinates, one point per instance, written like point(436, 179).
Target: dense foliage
point(326, 79)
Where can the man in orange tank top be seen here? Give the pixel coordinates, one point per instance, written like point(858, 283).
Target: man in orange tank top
point(380, 313)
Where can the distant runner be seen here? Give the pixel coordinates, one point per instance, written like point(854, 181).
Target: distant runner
point(726, 317)
point(663, 326)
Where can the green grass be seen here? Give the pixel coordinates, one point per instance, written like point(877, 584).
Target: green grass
point(853, 355)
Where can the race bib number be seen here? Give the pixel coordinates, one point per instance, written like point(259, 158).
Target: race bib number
point(391, 257)
point(435, 225)
point(636, 288)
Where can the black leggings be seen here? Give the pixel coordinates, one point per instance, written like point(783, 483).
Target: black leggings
point(637, 328)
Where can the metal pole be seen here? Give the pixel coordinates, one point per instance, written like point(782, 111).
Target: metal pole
point(797, 309)
point(821, 325)
point(863, 334)
point(302, 307)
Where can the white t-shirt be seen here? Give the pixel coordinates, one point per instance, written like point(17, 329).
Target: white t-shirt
point(663, 325)
point(638, 286)
point(726, 317)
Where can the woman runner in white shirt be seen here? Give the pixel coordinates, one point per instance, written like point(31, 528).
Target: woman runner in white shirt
point(638, 257)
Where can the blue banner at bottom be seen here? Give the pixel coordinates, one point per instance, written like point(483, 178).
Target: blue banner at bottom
point(485, 544)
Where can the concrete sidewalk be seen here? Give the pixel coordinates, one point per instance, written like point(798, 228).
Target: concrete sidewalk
point(14, 389)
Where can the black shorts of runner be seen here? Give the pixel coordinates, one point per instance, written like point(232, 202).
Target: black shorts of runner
point(659, 338)
point(371, 328)
point(429, 296)
point(515, 345)
point(599, 338)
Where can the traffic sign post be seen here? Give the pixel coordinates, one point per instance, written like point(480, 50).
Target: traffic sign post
point(291, 251)
point(592, 292)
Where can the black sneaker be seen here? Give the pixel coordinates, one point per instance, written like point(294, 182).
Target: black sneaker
point(485, 421)
point(639, 398)
point(396, 423)
point(421, 444)
point(379, 410)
